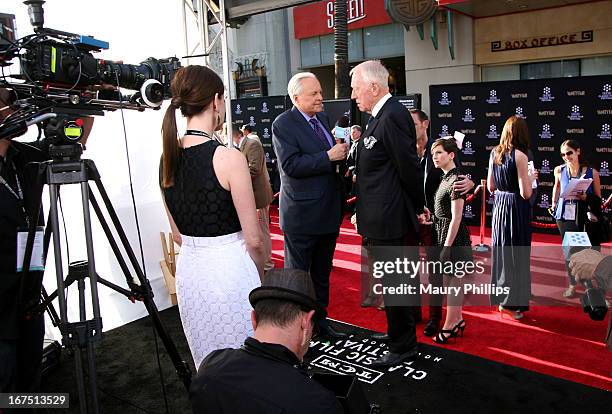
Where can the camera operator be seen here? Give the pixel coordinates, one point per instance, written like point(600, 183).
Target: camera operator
point(266, 374)
point(590, 264)
point(21, 337)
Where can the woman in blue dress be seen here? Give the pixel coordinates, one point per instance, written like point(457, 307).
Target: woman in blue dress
point(510, 180)
point(571, 214)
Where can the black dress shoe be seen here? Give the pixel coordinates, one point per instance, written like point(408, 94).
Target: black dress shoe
point(329, 332)
point(379, 336)
point(432, 327)
point(392, 359)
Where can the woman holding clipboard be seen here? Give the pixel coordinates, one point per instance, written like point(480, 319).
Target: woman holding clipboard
point(571, 213)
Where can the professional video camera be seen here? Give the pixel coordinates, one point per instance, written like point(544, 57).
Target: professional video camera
point(61, 80)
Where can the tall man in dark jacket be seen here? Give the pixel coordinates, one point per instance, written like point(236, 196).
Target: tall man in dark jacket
point(310, 204)
point(389, 195)
point(266, 374)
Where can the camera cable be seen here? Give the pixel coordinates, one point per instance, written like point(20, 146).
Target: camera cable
point(127, 152)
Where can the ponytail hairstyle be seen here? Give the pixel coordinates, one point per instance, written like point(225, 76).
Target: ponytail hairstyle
point(575, 145)
point(193, 89)
point(515, 135)
point(448, 145)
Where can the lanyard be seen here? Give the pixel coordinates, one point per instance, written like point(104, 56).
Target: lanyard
point(18, 195)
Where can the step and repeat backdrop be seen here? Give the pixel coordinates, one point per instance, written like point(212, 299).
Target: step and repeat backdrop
point(555, 110)
point(260, 113)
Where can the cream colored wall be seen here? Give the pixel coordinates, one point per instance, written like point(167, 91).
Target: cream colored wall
point(590, 16)
point(426, 66)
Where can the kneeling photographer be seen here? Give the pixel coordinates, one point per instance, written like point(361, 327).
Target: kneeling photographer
point(21, 336)
point(591, 265)
point(266, 374)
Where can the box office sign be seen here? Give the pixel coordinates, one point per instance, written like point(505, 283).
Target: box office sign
point(542, 41)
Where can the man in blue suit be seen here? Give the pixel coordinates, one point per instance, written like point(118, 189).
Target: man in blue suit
point(310, 203)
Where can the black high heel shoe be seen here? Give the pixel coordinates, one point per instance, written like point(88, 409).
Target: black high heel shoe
point(459, 327)
point(442, 338)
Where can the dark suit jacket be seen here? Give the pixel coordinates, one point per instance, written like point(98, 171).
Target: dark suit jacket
point(254, 153)
point(390, 189)
point(432, 176)
point(311, 191)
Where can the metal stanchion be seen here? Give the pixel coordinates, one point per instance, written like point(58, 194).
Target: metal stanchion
point(482, 247)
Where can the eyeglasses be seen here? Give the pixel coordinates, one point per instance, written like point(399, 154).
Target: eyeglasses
point(566, 154)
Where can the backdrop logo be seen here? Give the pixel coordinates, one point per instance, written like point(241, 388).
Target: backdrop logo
point(468, 213)
point(467, 148)
point(546, 95)
point(238, 110)
point(544, 203)
point(266, 133)
point(575, 115)
point(546, 134)
point(493, 132)
point(264, 107)
point(604, 171)
point(605, 132)
point(468, 116)
point(519, 112)
point(545, 169)
point(492, 99)
point(252, 121)
point(444, 99)
point(444, 131)
point(606, 92)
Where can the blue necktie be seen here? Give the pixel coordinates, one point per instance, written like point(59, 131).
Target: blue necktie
point(319, 131)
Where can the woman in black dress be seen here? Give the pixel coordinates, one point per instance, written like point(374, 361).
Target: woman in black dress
point(453, 237)
point(510, 179)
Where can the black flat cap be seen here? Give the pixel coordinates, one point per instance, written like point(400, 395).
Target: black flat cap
point(292, 285)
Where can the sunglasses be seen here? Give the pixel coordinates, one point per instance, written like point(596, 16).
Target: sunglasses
point(566, 154)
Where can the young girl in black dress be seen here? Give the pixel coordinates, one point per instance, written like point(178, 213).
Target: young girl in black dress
point(453, 235)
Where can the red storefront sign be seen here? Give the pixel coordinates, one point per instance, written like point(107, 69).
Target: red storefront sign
point(317, 19)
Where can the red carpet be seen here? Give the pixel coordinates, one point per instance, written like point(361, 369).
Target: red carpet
point(561, 341)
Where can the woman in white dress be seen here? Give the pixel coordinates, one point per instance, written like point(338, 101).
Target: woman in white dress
point(211, 208)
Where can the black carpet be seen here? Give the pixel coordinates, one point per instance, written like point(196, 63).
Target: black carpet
point(438, 381)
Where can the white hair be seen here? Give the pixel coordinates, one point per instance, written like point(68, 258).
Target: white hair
point(372, 71)
point(294, 87)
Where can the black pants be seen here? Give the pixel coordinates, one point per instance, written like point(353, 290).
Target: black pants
point(20, 359)
point(401, 326)
point(427, 238)
point(314, 254)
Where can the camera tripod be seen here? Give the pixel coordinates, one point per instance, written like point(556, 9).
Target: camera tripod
point(66, 167)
